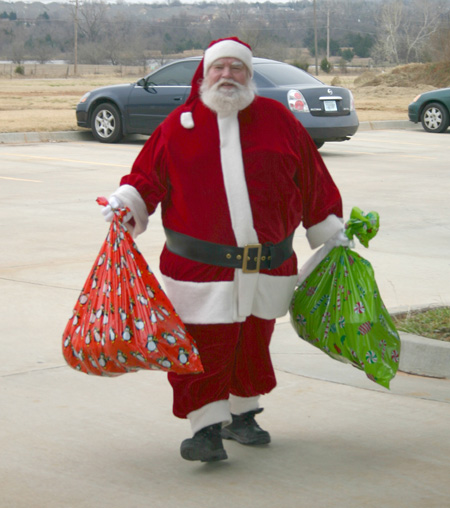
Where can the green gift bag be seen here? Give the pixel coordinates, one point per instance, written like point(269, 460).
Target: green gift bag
point(338, 308)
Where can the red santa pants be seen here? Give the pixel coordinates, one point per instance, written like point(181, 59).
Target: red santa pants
point(236, 360)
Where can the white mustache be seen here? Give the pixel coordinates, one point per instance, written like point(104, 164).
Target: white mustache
point(225, 101)
point(227, 81)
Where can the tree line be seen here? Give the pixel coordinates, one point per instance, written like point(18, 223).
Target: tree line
point(387, 31)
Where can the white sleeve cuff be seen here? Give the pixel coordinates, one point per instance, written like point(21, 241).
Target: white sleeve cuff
point(323, 231)
point(131, 198)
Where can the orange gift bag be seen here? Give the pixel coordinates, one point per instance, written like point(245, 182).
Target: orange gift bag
point(123, 321)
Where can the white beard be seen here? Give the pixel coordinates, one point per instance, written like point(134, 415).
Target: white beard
point(227, 101)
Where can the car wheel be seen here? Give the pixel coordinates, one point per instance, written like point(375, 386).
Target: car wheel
point(319, 144)
point(106, 124)
point(435, 118)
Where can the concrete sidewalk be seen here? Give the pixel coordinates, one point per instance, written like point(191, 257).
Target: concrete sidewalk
point(69, 440)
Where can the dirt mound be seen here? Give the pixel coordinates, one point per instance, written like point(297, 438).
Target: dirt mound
point(432, 74)
point(365, 78)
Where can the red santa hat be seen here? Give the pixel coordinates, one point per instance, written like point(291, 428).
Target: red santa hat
point(223, 50)
point(231, 47)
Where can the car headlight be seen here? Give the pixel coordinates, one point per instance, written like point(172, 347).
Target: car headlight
point(417, 97)
point(84, 98)
point(297, 103)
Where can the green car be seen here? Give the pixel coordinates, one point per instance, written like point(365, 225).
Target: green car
point(432, 110)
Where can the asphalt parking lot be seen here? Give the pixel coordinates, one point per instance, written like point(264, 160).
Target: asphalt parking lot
point(401, 174)
point(69, 440)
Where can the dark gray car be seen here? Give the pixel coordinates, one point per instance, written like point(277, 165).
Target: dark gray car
point(327, 112)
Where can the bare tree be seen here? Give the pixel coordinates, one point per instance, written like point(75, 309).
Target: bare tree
point(92, 16)
point(405, 28)
point(119, 38)
point(17, 52)
point(389, 36)
point(428, 15)
point(43, 51)
point(439, 46)
point(121, 32)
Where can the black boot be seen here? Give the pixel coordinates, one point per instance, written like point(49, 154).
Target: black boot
point(245, 430)
point(206, 445)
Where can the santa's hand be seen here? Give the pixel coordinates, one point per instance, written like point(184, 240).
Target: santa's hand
point(339, 239)
point(114, 204)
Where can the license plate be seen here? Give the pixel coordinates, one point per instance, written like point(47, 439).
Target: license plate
point(330, 105)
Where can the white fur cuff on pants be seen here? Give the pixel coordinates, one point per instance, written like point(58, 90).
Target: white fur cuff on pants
point(214, 412)
point(240, 405)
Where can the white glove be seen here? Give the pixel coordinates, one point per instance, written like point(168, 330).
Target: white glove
point(339, 239)
point(114, 204)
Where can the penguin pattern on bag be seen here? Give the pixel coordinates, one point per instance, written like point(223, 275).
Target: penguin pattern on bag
point(122, 320)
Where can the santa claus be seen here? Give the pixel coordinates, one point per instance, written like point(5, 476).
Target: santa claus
point(235, 175)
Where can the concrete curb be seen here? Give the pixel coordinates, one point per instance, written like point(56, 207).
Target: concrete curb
point(44, 137)
point(58, 136)
point(424, 357)
point(386, 125)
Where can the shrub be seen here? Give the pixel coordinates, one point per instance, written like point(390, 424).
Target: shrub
point(326, 66)
point(347, 54)
point(301, 64)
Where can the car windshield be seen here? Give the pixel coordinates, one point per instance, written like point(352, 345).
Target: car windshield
point(282, 74)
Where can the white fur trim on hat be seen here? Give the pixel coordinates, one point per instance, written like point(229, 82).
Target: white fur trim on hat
point(228, 49)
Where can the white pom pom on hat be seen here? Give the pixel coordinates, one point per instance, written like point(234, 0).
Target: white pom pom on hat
point(228, 48)
point(186, 120)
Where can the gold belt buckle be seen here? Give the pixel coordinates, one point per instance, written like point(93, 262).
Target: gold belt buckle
point(246, 258)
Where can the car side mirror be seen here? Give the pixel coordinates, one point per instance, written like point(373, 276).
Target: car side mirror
point(148, 86)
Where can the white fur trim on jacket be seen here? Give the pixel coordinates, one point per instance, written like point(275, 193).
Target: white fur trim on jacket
point(131, 198)
point(239, 206)
point(216, 302)
point(320, 233)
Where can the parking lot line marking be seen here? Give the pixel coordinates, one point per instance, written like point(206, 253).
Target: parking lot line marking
point(389, 154)
point(65, 160)
point(385, 141)
point(19, 179)
point(418, 157)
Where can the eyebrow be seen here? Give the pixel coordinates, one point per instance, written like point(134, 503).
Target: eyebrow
point(234, 63)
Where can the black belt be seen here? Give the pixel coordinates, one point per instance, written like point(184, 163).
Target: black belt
point(251, 259)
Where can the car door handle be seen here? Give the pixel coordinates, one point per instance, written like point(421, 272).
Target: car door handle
point(177, 98)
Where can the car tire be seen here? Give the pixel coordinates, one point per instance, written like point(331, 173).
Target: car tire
point(435, 118)
point(319, 144)
point(106, 123)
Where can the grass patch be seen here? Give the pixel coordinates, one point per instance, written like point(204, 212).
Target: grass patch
point(433, 323)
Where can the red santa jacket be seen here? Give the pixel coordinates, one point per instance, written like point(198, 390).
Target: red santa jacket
point(252, 177)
